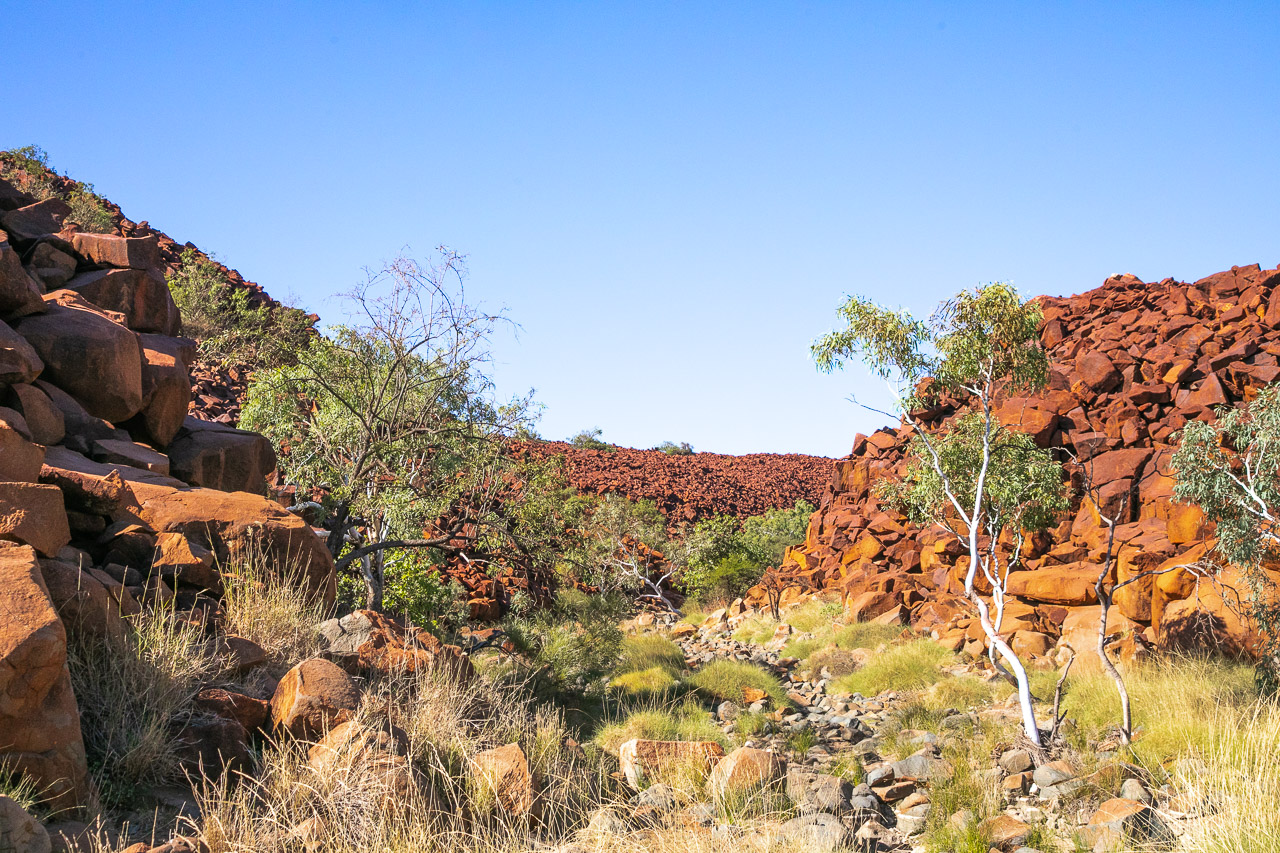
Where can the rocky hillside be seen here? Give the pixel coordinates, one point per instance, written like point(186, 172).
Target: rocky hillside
point(692, 487)
point(111, 495)
point(1132, 363)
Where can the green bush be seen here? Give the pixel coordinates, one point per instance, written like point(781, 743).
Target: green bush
point(589, 439)
point(575, 642)
point(724, 558)
point(672, 449)
point(723, 681)
point(229, 328)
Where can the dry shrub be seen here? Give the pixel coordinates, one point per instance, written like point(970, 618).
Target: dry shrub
point(356, 807)
point(267, 604)
point(134, 692)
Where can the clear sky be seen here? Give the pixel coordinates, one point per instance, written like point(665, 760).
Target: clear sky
point(672, 198)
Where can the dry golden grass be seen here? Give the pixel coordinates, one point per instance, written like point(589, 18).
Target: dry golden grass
point(265, 604)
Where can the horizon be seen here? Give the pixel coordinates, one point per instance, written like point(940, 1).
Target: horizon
point(672, 201)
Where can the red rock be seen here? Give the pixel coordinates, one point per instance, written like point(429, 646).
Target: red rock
point(110, 250)
point(249, 712)
point(367, 641)
point(166, 391)
point(20, 294)
point(42, 416)
point(238, 523)
point(312, 698)
point(505, 772)
point(1071, 585)
point(142, 296)
point(218, 457)
point(34, 515)
point(649, 761)
point(20, 460)
point(39, 723)
point(35, 220)
point(19, 362)
point(93, 359)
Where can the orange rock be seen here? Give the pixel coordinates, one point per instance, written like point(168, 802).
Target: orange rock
point(505, 772)
point(20, 459)
point(1069, 585)
point(367, 641)
point(39, 722)
point(313, 697)
point(34, 515)
point(648, 761)
point(745, 771)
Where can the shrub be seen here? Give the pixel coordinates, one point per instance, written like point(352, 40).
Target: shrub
point(228, 327)
point(589, 439)
point(574, 642)
point(723, 557)
point(264, 604)
point(645, 682)
point(28, 169)
point(134, 693)
point(723, 681)
point(910, 666)
point(672, 449)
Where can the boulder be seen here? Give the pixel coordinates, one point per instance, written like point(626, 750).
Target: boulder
point(211, 745)
point(646, 761)
point(19, 831)
point(1006, 832)
point(370, 642)
point(745, 772)
point(1119, 821)
point(312, 698)
point(83, 601)
point(43, 418)
point(33, 514)
point(20, 294)
point(179, 560)
point(504, 772)
point(811, 791)
point(238, 525)
point(119, 452)
point(95, 360)
point(111, 250)
point(82, 428)
point(142, 296)
point(19, 361)
point(249, 712)
point(115, 491)
point(814, 833)
point(166, 391)
point(1069, 585)
point(50, 265)
point(219, 457)
point(20, 459)
point(39, 721)
point(29, 223)
point(367, 756)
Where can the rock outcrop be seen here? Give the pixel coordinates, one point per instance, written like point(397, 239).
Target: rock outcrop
point(1132, 363)
point(110, 496)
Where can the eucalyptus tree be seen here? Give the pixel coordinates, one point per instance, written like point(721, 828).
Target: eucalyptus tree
point(1230, 468)
point(984, 483)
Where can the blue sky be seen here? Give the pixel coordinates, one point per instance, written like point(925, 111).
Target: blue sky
point(672, 199)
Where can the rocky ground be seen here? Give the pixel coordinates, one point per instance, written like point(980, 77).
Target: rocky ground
point(1044, 793)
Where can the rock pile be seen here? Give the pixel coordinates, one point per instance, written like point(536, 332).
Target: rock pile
point(111, 496)
point(1132, 363)
point(690, 488)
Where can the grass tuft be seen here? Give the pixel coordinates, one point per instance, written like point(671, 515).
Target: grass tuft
point(724, 680)
point(913, 665)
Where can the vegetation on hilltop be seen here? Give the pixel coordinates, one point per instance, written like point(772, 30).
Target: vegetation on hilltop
point(28, 169)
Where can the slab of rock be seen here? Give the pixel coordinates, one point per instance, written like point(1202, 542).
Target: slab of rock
point(20, 294)
point(96, 361)
point(213, 744)
point(84, 602)
point(811, 791)
point(33, 514)
point(178, 559)
point(166, 391)
point(1005, 831)
point(19, 362)
point(219, 457)
point(249, 712)
point(505, 772)
point(142, 296)
point(819, 832)
point(745, 771)
point(645, 761)
point(237, 524)
point(312, 698)
point(20, 458)
point(29, 223)
point(50, 265)
point(1119, 821)
point(111, 250)
point(131, 453)
point(39, 721)
point(19, 831)
point(43, 418)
